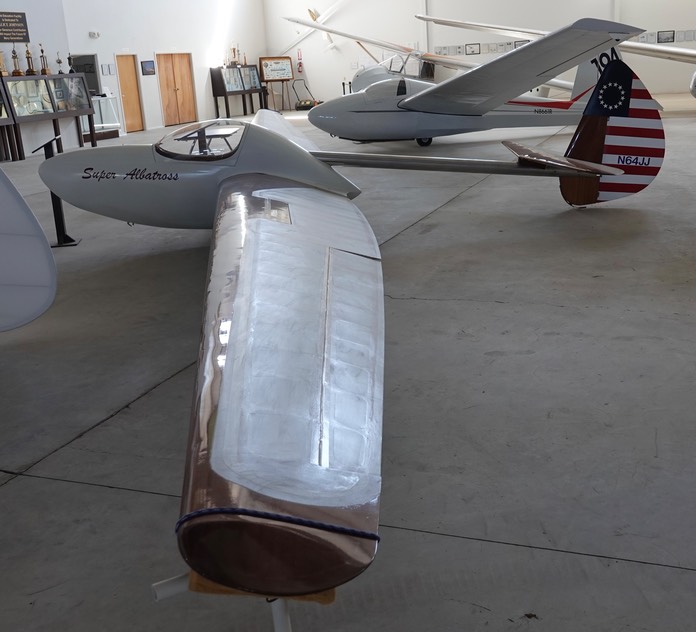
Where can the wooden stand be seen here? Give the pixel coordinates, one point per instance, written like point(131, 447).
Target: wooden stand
point(274, 70)
point(284, 91)
point(220, 89)
point(194, 582)
point(198, 583)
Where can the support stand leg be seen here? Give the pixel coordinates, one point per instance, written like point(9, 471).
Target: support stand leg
point(281, 616)
point(170, 587)
point(63, 239)
point(182, 583)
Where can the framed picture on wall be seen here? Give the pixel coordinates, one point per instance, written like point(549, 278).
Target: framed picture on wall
point(472, 49)
point(148, 67)
point(665, 37)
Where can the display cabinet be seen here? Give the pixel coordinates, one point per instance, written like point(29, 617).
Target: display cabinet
point(70, 95)
point(250, 77)
point(52, 97)
point(29, 98)
point(233, 79)
point(241, 81)
point(5, 115)
point(8, 143)
point(106, 120)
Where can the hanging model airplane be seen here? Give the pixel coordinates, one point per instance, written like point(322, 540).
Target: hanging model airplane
point(483, 98)
point(661, 51)
point(282, 486)
point(27, 269)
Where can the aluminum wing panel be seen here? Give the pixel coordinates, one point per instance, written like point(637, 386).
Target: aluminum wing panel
point(282, 487)
point(299, 414)
point(325, 219)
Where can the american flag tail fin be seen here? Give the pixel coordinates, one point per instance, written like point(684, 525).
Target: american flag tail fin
point(621, 127)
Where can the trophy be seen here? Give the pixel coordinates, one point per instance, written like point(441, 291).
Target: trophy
point(3, 68)
point(30, 63)
point(15, 62)
point(45, 70)
point(59, 61)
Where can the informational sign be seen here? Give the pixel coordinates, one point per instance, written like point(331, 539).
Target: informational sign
point(13, 27)
point(276, 68)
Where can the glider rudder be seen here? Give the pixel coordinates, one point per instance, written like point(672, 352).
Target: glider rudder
point(620, 127)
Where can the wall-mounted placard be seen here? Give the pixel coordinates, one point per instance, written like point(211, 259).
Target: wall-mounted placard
point(13, 27)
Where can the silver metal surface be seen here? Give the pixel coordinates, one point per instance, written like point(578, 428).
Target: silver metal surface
point(286, 427)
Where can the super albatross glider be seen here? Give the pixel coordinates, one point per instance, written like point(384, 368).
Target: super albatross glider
point(282, 486)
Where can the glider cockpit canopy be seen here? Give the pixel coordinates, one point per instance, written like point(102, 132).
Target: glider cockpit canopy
point(205, 140)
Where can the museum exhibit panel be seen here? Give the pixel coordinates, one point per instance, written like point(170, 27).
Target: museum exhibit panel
point(243, 81)
point(52, 97)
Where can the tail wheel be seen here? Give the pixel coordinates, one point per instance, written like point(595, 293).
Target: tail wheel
point(424, 142)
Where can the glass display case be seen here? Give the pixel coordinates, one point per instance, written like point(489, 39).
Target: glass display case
point(69, 94)
point(106, 121)
point(8, 144)
point(29, 97)
point(5, 116)
point(35, 98)
point(233, 79)
point(250, 77)
point(241, 81)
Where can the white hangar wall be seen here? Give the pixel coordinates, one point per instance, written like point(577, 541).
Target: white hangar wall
point(205, 28)
point(661, 76)
point(327, 64)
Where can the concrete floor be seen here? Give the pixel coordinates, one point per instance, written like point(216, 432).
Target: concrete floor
point(539, 422)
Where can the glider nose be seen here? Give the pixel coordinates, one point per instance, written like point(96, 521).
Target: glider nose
point(58, 175)
point(334, 117)
point(324, 115)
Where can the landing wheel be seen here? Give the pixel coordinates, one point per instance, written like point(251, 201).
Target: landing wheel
point(424, 142)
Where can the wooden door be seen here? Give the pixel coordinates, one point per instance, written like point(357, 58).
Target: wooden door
point(176, 88)
point(130, 93)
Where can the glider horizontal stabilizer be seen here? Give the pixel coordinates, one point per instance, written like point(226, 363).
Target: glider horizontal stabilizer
point(537, 156)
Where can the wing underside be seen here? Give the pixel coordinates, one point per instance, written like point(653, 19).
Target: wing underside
point(286, 430)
